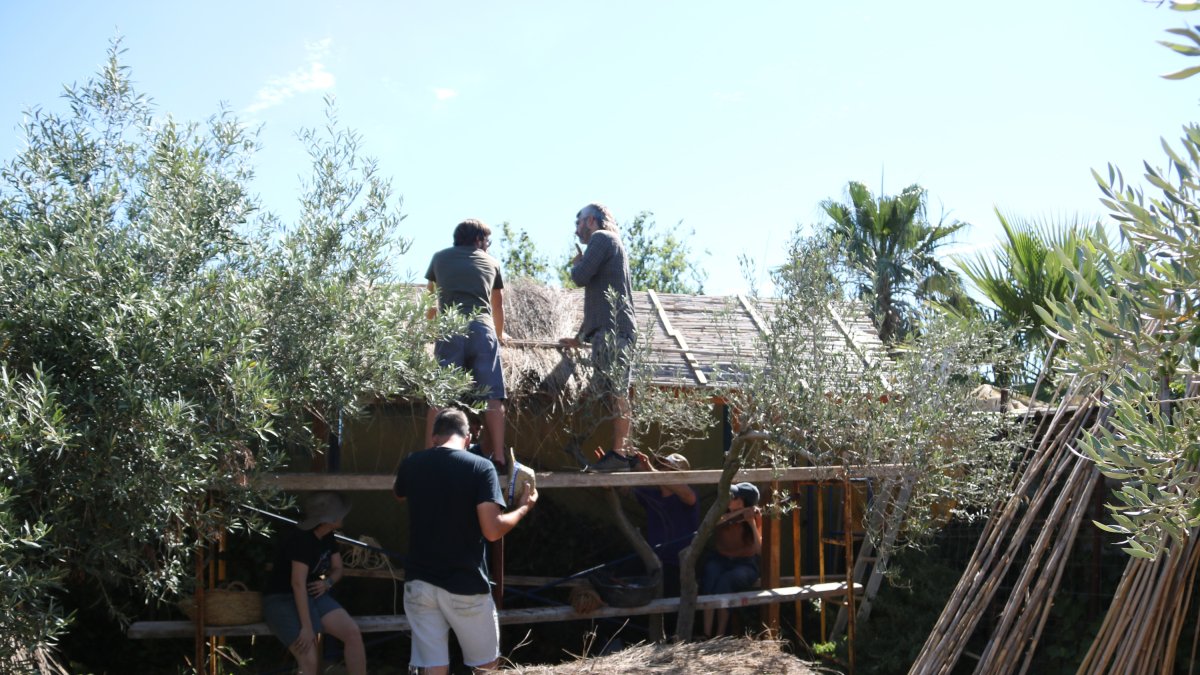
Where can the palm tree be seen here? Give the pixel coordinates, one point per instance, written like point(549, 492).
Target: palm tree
point(891, 252)
point(1027, 272)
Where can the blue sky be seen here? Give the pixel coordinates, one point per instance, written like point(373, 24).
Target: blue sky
point(735, 118)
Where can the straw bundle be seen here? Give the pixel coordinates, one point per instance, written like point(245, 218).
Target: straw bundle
point(536, 316)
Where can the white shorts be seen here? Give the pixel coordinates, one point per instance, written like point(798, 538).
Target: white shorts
point(432, 612)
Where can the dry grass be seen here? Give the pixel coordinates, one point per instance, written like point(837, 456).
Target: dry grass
point(729, 656)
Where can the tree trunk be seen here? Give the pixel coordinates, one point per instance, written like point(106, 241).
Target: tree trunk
point(649, 560)
point(740, 449)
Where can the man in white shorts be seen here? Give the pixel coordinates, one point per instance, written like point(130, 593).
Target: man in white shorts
point(454, 507)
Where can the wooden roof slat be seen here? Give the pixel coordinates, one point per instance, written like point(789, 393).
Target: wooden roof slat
point(683, 347)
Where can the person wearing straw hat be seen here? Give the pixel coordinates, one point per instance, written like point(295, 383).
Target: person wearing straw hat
point(297, 603)
point(672, 516)
point(733, 565)
point(454, 507)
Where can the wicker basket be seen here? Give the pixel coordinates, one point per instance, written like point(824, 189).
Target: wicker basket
point(230, 605)
point(628, 591)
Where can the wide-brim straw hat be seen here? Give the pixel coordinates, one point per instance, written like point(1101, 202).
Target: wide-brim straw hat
point(323, 507)
point(675, 462)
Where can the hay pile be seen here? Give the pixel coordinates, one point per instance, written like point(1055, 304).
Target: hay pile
point(536, 316)
point(729, 656)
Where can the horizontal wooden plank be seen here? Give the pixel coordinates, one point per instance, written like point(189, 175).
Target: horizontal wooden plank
point(561, 479)
point(142, 630)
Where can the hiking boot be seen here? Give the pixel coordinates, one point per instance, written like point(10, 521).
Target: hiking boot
point(611, 462)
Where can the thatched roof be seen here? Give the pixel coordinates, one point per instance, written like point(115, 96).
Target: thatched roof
point(692, 340)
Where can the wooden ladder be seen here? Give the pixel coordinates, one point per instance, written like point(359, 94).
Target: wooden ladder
point(870, 563)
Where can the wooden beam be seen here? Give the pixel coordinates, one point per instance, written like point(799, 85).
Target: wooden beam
point(679, 339)
point(389, 623)
point(299, 482)
point(854, 346)
point(754, 316)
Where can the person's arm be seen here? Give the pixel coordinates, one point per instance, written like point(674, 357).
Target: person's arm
point(598, 251)
point(498, 312)
point(685, 493)
point(495, 523)
point(755, 523)
point(432, 288)
point(307, 639)
point(320, 586)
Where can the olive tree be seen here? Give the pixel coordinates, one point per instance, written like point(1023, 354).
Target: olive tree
point(807, 400)
point(163, 341)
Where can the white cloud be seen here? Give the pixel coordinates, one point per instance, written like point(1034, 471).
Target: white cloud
point(444, 94)
point(311, 77)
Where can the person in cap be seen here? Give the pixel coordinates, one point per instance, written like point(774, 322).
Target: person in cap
point(733, 564)
point(467, 280)
point(297, 602)
point(610, 328)
point(454, 507)
point(672, 516)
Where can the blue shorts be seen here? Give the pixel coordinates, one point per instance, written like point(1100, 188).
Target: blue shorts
point(477, 352)
point(279, 609)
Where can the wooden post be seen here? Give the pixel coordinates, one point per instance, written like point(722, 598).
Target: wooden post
point(198, 611)
point(496, 565)
point(848, 528)
point(821, 551)
point(796, 558)
point(770, 555)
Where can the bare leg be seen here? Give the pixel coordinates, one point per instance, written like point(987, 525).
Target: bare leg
point(430, 416)
point(339, 624)
point(621, 424)
point(493, 419)
point(486, 666)
point(708, 623)
point(722, 621)
point(306, 660)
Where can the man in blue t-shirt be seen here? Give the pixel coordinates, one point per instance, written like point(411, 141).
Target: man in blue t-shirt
point(468, 280)
point(454, 507)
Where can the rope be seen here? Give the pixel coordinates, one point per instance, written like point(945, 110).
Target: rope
point(373, 546)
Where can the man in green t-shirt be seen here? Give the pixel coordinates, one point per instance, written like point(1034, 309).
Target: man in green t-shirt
point(467, 280)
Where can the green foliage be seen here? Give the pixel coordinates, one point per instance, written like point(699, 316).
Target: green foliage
point(158, 344)
point(521, 257)
point(890, 251)
point(1027, 274)
point(822, 403)
point(660, 261)
point(1187, 50)
point(1135, 340)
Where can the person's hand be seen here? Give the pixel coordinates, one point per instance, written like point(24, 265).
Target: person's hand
point(317, 588)
point(528, 497)
point(570, 343)
point(305, 641)
point(503, 338)
point(643, 462)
